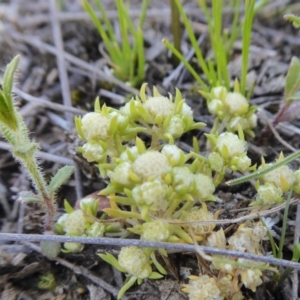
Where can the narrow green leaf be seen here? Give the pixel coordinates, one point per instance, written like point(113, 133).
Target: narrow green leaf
point(264, 171)
point(292, 80)
point(8, 113)
point(68, 208)
point(110, 259)
point(61, 177)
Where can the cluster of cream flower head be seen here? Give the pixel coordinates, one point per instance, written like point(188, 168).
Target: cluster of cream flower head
point(160, 182)
point(232, 109)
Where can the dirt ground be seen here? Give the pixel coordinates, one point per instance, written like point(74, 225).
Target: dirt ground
point(48, 107)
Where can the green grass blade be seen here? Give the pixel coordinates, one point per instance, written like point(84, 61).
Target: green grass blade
point(284, 224)
point(235, 30)
point(247, 29)
point(113, 51)
point(193, 40)
point(264, 171)
point(186, 64)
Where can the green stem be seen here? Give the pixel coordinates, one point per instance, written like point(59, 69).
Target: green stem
point(186, 64)
point(284, 224)
point(175, 27)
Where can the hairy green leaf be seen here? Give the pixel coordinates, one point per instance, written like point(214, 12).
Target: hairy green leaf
point(61, 177)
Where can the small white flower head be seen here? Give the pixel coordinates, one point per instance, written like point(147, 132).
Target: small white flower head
point(259, 232)
point(135, 262)
point(187, 111)
point(156, 231)
point(151, 164)
point(73, 247)
point(121, 174)
point(219, 92)
point(159, 107)
point(216, 162)
point(89, 205)
point(75, 223)
point(269, 194)
point(121, 118)
point(152, 194)
point(252, 120)
point(236, 103)
point(242, 240)
point(92, 152)
point(60, 224)
point(183, 179)
point(215, 107)
point(96, 230)
point(133, 150)
point(251, 278)
point(297, 177)
point(200, 214)
point(204, 187)
point(231, 141)
point(203, 288)
point(176, 127)
point(216, 239)
point(282, 177)
point(62, 220)
point(243, 163)
point(95, 126)
point(225, 286)
point(174, 154)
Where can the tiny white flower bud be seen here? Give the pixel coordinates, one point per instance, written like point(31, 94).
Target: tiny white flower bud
point(183, 178)
point(216, 162)
point(203, 288)
point(251, 278)
point(174, 154)
point(200, 214)
point(94, 126)
point(134, 261)
point(96, 230)
point(152, 194)
point(92, 152)
point(75, 223)
point(252, 121)
point(215, 106)
point(236, 103)
point(151, 164)
point(159, 106)
point(204, 186)
point(281, 176)
point(176, 127)
point(133, 150)
point(73, 247)
point(244, 163)
point(269, 194)
point(187, 111)
point(121, 174)
point(219, 92)
point(156, 231)
point(234, 145)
